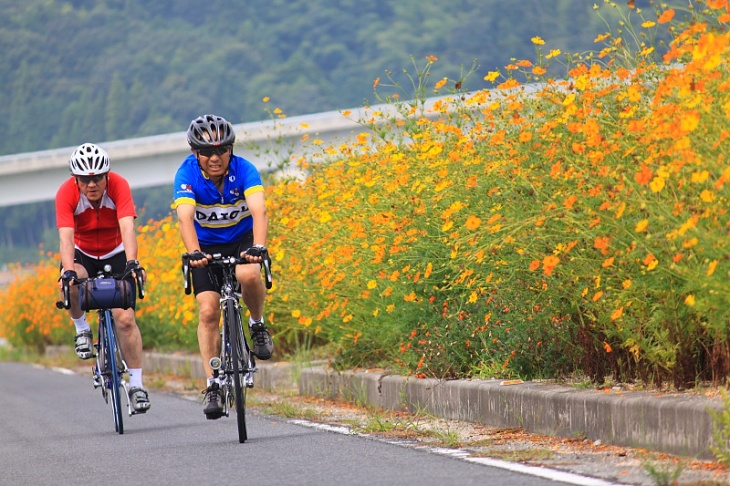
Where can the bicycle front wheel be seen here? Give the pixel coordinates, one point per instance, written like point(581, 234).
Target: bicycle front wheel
point(236, 337)
point(114, 380)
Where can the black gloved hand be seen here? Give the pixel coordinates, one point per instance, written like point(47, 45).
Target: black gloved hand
point(196, 255)
point(69, 275)
point(132, 266)
point(256, 250)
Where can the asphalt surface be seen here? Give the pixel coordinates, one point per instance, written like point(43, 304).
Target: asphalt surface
point(678, 424)
point(57, 430)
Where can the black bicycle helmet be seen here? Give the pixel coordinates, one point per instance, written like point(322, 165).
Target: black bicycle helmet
point(210, 131)
point(89, 159)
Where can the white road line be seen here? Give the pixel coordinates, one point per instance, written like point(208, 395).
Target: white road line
point(542, 472)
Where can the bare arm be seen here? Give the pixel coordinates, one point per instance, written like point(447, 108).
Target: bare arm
point(129, 237)
point(257, 206)
point(186, 220)
point(67, 248)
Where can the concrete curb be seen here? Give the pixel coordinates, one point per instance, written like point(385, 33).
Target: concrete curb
point(676, 424)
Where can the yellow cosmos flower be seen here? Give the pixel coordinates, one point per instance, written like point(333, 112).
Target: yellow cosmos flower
point(700, 176)
point(492, 76)
point(657, 184)
point(711, 268)
point(641, 226)
point(707, 196)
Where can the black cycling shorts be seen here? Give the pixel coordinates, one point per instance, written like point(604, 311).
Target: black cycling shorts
point(207, 278)
point(94, 266)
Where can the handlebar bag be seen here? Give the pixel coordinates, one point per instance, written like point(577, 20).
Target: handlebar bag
point(106, 293)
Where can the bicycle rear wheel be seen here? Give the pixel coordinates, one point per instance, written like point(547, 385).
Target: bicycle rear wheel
point(239, 358)
point(114, 380)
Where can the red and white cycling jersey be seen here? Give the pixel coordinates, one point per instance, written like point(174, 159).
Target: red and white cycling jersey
point(96, 231)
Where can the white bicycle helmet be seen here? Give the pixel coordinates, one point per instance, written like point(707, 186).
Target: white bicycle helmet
point(210, 131)
point(89, 159)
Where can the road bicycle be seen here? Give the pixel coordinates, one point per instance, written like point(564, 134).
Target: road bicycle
point(236, 365)
point(104, 293)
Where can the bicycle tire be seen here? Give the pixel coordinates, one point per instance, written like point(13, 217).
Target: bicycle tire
point(115, 381)
point(101, 367)
point(235, 335)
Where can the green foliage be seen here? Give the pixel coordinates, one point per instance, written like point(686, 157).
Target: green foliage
point(106, 70)
point(575, 227)
point(721, 430)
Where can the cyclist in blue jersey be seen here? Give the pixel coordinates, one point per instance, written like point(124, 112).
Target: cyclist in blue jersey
point(220, 205)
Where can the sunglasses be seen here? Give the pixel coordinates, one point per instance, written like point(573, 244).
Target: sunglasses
point(87, 179)
point(210, 151)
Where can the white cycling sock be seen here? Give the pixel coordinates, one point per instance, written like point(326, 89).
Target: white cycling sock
point(251, 321)
point(135, 377)
point(81, 323)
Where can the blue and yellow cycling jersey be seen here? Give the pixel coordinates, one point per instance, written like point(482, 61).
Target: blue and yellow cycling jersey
point(220, 217)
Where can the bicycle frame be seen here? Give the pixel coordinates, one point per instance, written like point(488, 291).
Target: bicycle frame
point(236, 364)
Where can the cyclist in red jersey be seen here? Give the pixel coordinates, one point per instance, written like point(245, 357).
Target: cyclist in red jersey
point(95, 218)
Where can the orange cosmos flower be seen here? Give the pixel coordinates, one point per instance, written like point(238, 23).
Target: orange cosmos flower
point(601, 242)
point(666, 16)
point(569, 201)
point(644, 176)
point(549, 263)
point(473, 222)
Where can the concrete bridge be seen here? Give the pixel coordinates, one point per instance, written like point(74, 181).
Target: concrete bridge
point(152, 161)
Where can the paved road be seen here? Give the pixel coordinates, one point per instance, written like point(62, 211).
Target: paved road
point(56, 429)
